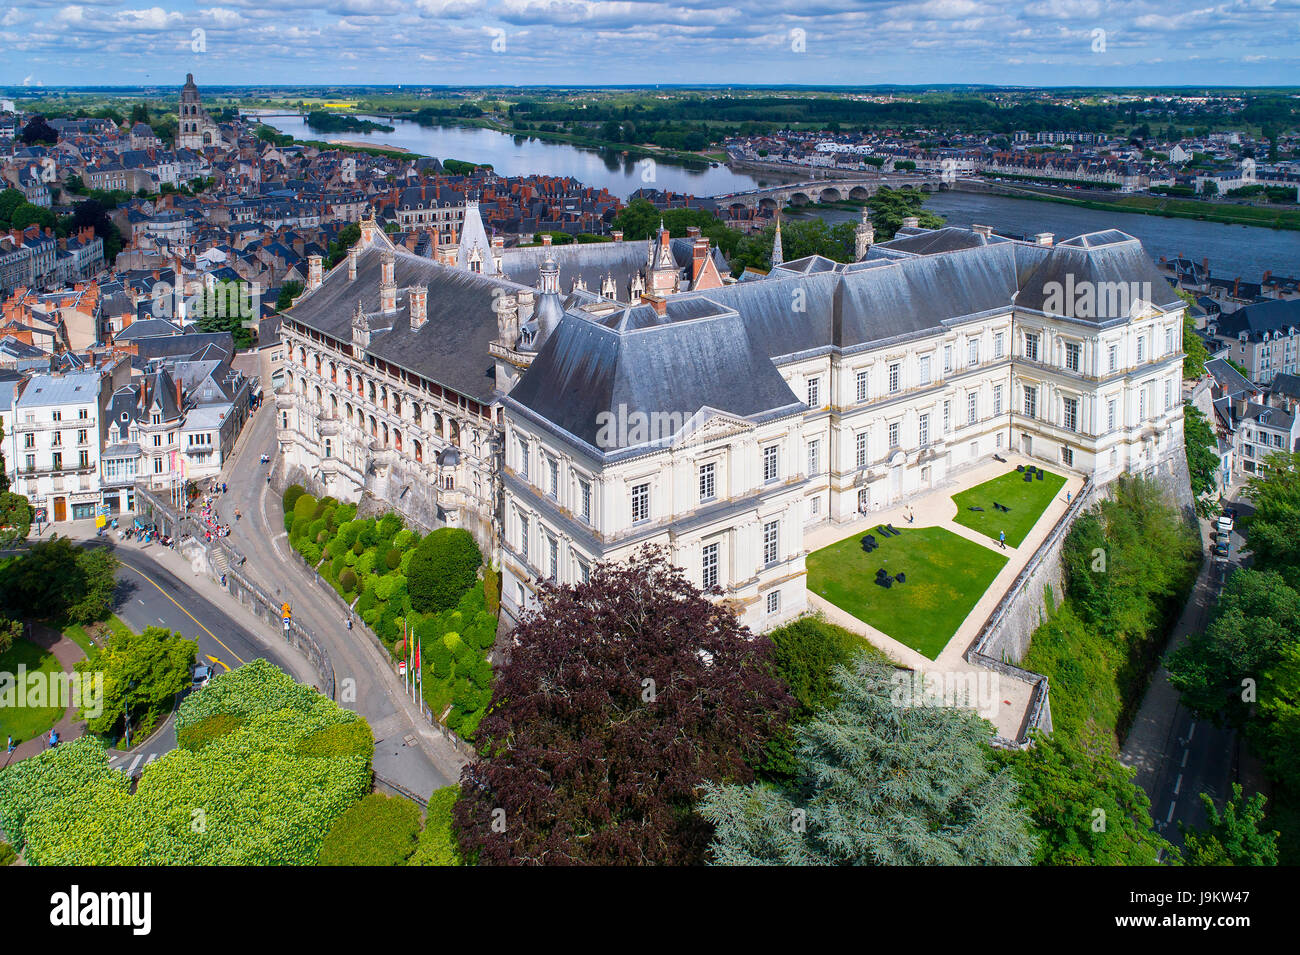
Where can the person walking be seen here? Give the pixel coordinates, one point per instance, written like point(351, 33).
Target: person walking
point(1002, 539)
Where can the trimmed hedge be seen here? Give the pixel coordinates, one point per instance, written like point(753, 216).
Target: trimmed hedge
point(378, 831)
point(291, 495)
point(202, 732)
point(445, 565)
point(438, 844)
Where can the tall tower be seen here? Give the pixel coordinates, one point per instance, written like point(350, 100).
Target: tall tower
point(194, 121)
point(778, 256)
point(863, 236)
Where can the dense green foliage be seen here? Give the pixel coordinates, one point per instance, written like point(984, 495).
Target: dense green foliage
point(379, 830)
point(437, 844)
point(143, 672)
point(55, 580)
point(402, 585)
point(1202, 451)
point(28, 788)
point(248, 797)
point(879, 784)
point(1244, 669)
point(444, 566)
point(1083, 805)
point(1234, 836)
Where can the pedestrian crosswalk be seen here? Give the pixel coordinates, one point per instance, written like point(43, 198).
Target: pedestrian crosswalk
point(135, 768)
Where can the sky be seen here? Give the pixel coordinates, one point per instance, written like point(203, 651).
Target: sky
point(622, 42)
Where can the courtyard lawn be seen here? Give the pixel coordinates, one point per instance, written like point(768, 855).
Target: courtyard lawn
point(1027, 500)
point(946, 576)
point(25, 722)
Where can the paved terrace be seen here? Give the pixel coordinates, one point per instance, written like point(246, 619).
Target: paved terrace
point(936, 508)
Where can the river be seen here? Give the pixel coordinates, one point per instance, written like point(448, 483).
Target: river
point(521, 156)
point(1233, 250)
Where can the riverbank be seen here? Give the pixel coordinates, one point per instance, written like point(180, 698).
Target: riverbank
point(1197, 209)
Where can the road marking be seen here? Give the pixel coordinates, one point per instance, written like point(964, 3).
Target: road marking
point(152, 757)
point(1169, 817)
point(217, 661)
point(187, 613)
point(134, 763)
point(1190, 731)
point(1183, 764)
point(1178, 784)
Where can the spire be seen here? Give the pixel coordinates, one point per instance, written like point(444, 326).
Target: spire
point(778, 256)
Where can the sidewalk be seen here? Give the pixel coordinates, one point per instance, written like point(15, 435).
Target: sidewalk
point(936, 508)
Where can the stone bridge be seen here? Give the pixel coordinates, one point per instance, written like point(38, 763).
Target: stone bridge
point(858, 189)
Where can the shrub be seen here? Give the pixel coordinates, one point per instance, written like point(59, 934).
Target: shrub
point(30, 787)
point(443, 567)
point(368, 535)
point(347, 534)
point(437, 844)
point(452, 641)
point(492, 591)
point(316, 528)
point(405, 566)
point(440, 657)
point(348, 581)
point(405, 539)
point(199, 734)
point(393, 558)
point(365, 563)
point(358, 548)
point(378, 831)
point(7, 856)
point(310, 551)
point(399, 649)
point(390, 587)
point(291, 495)
point(389, 526)
point(340, 739)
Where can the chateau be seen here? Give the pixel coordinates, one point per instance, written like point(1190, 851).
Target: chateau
point(571, 404)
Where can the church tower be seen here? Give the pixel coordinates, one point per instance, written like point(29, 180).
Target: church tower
point(863, 236)
point(778, 255)
point(195, 124)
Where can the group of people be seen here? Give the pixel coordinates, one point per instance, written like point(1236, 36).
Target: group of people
point(212, 527)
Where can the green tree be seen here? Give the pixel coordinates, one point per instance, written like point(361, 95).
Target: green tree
point(55, 580)
point(288, 292)
point(1201, 446)
point(1231, 837)
point(1084, 807)
point(142, 674)
point(445, 565)
point(879, 784)
point(348, 236)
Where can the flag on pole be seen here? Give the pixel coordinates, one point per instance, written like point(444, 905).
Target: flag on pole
point(418, 675)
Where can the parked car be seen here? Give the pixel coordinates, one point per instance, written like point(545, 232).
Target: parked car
point(202, 676)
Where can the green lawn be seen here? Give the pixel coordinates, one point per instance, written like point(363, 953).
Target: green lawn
point(26, 722)
point(1027, 501)
point(946, 576)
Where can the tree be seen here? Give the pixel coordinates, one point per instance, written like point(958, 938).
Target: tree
point(1256, 618)
point(1201, 446)
point(1083, 804)
point(348, 236)
point(879, 784)
point(143, 672)
point(57, 581)
point(445, 565)
point(38, 131)
point(1232, 837)
point(620, 698)
point(10, 630)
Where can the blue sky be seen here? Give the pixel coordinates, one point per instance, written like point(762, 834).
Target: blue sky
point(594, 42)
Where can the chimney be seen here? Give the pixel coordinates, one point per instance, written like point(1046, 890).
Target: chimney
point(618, 236)
point(418, 298)
point(657, 302)
point(1044, 238)
point(1236, 284)
point(498, 242)
point(1205, 264)
point(1267, 275)
point(387, 285)
point(913, 222)
point(352, 264)
point(546, 238)
point(180, 404)
point(699, 255)
point(314, 271)
point(692, 232)
point(984, 230)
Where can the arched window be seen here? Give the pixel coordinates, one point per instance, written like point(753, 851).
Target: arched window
point(374, 429)
point(302, 356)
point(415, 413)
point(334, 373)
point(318, 364)
point(385, 427)
point(397, 439)
point(454, 435)
point(419, 451)
point(318, 394)
point(334, 406)
point(372, 392)
point(329, 448)
point(397, 405)
point(437, 425)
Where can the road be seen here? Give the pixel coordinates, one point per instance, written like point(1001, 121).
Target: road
point(1177, 756)
point(407, 751)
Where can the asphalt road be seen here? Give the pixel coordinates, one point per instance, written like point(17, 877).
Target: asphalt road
point(1177, 756)
point(365, 684)
point(149, 595)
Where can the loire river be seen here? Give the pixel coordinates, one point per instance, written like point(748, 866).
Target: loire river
point(1233, 250)
point(520, 156)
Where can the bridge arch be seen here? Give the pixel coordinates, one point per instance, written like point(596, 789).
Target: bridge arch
point(859, 194)
point(829, 194)
point(799, 199)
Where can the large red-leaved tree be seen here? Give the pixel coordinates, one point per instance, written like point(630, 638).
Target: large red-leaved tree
point(621, 697)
